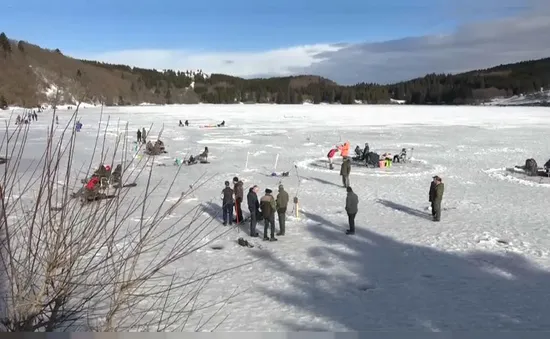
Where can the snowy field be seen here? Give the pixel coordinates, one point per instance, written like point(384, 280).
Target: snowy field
point(485, 266)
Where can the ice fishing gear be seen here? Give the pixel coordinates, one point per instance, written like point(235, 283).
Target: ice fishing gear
point(283, 174)
point(296, 209)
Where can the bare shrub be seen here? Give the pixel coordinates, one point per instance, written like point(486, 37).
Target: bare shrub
point(69, 265)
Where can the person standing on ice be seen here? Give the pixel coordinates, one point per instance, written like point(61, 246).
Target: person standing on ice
point(437, 198)
point(227, 204)
point(143, 136)
point(282, 203)
point(344, 149)
point(239, 196)
point(253, 208)
point(138, 136)
point(366, 151)
point(268, 207)
point(352, 202)
point(345, 171)
point(330, 155)
point(431, 195)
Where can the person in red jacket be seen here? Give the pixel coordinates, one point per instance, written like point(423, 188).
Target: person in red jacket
point(91, 189)
point(330, 155)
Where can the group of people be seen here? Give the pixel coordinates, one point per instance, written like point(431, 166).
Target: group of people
point(181, 124)
point(27, 118)
point(101, 178)
point(141, 136)
point(260, 209)
point(365, 155)
point(201, 158)
point(436, 186)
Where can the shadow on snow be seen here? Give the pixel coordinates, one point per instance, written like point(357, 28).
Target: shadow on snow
point(394, 285)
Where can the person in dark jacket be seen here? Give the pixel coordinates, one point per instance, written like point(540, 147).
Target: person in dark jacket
point(138, 136)
point(352, 202)
point(186, 123)
point(431, 195)
point(253, 208)
point(345, 170)
point(268, 206)
point(239, 196)
point(143, 136)
point(227, 204)
point(438, 197)
point(282, 203)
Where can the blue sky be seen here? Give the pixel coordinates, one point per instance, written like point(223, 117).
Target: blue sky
point(212, 25)
point(101, 28)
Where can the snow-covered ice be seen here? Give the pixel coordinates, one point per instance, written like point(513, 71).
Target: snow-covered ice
point(485, 266)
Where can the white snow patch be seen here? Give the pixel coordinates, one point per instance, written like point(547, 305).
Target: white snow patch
point(257, 153)
point(236, 142)
point(502, 174)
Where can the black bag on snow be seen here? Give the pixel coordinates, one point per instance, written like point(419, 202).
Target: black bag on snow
point(373, 159)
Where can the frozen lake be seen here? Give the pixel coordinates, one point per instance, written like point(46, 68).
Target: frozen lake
point(485, 266)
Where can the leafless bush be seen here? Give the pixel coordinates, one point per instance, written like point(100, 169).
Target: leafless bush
point(68, 265)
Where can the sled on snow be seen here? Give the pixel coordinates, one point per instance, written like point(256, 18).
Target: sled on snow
point(531, 169)
point(531, 172)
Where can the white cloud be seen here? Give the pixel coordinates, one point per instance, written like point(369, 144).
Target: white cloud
point(276, 62)
point(478, 45)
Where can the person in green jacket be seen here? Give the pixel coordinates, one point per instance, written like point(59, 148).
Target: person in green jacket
point(352, 202)
point(438, 197)
point(345, 170)
point(268, 207)
point(282, 203)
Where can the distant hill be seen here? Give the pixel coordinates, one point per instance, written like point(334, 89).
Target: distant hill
point(31, 75)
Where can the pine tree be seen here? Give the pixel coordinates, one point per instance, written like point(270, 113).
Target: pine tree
point(5, 43)
point(168, 97)
point(3, 103)
point(21, 46)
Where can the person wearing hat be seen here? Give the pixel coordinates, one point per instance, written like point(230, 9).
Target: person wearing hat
point(227, 204)
point(268, 207)
point(431, 195)
point(345, 170)
point(239, 196)
point(352, 202)
point(253, 208)
point(282, 203)
point(436, 196)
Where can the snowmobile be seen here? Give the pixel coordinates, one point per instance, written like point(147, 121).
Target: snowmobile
point(531, 169)
point(100, 180)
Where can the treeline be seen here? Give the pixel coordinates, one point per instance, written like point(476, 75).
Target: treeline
point(475, 86)
point(154, 79)
point(440, 89)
